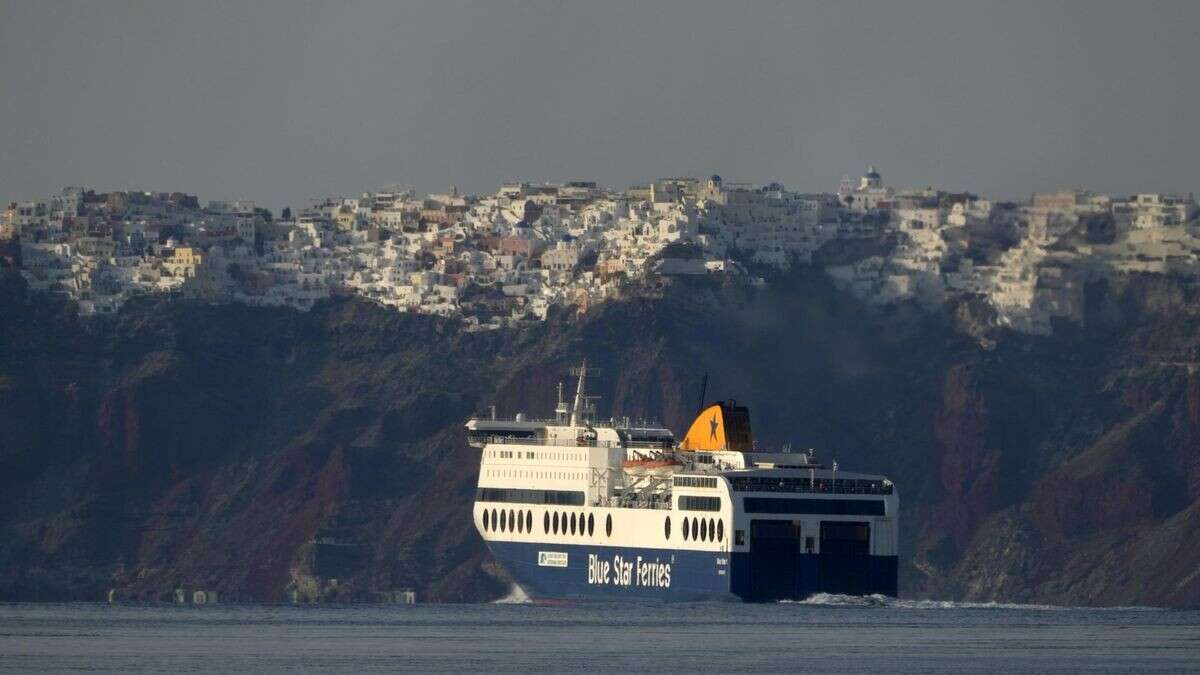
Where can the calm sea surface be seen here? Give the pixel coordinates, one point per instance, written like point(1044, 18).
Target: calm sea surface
point(828, 634)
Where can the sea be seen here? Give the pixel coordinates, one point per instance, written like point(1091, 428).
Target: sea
point(823, 634)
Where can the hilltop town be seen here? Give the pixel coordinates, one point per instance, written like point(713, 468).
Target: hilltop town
point(497, 259)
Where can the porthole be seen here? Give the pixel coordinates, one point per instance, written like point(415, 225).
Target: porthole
point(712, 529)
point(667, 527)
point(546, 523)
point(572, 523)
point(556, 522)
point(591, 524)
point(529, 521)
point(703, 530)
point(512, 520)
point(608, 525)
point(485, 520)
point(520, 522)
point(695, 529)
point(503, 520)
point(686, 529)
point(720, 530)
point(495, 520)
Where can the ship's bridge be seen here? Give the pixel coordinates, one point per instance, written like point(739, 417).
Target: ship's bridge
point(574, 424)
point(612, 433)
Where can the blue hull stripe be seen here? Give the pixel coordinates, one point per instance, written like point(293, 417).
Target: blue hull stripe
point(613, 572)
point(558, 571)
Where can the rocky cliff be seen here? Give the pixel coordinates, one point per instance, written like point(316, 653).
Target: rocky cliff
point(268, 454)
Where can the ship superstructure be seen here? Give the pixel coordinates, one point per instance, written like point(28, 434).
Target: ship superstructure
point(575, 507)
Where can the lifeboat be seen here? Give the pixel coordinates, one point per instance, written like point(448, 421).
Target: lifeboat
point(652, 466)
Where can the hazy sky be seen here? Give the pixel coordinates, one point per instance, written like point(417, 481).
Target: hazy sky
point(280, 101)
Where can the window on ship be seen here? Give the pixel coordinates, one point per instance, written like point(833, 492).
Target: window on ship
point(690, 503)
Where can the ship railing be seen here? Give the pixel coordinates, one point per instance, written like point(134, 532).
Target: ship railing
point(649, 445)
point(511, 418)
point(841, 486)
point(627, 503)
point(579, 443)
point(594, 423)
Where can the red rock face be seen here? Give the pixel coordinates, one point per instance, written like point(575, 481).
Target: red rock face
point(968, 464)
point(1190, 436)
point(1067, 506)
point(1193, 399)
point(119, 425)
point(207, 447)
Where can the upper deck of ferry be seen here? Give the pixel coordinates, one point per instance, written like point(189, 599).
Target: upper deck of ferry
point(639, 464)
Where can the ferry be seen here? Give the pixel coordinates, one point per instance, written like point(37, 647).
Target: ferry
point(579, 508)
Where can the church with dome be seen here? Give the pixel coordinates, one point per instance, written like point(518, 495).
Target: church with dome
point(867, 195)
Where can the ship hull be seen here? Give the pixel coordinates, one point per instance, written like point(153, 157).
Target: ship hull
point(548, 571)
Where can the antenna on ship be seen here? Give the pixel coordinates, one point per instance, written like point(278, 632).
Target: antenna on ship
point(580, 396)
point(583, 407)
point(703, 391)
point(560, 411)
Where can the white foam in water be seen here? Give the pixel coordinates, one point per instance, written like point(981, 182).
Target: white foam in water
point(516, 596)
point(835, 600)
point(949, 604)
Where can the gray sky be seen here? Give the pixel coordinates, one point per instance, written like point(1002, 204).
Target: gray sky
point(282, 101)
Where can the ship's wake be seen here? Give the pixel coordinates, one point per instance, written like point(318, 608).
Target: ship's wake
point(836, 600)
point(516, 596)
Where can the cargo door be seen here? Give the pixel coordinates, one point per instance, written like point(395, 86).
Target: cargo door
point(775, 548)
point(845, 557)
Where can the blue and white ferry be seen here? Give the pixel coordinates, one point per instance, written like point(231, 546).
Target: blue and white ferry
point(576, 508)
